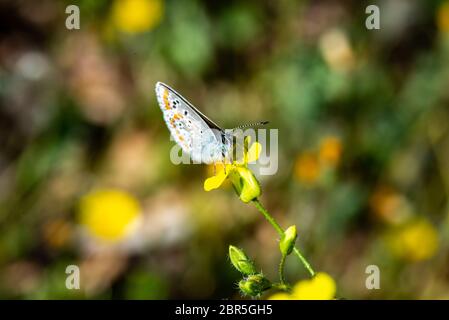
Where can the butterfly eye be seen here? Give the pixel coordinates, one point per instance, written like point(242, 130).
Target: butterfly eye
point(185, 112)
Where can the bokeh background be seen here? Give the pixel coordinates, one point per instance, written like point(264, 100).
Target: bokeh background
point(85, 171)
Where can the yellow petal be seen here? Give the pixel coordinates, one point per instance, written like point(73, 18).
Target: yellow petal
point(320, 287)
point(215, 182)
point(254, 152)
point(135, 16)
point(279, 296)
point(109, 214)
point(415, 241)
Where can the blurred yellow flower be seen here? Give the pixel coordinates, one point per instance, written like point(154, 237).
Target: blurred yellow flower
point(384, 201)
point(320, 287)
point(443, 17)
point(310, 166)
point(135, 16)
point(330, 151)
point(109, 214)
point(307, 168)
point(280, 296)
point(416, 241)
point(389, 205)
point(242, 178)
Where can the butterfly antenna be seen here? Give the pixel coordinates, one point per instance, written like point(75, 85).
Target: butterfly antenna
point(254, 124)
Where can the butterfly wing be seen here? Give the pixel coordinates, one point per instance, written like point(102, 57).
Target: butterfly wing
point(191, 130)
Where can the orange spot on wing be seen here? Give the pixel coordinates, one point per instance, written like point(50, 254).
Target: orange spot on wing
point(180, 137)
point(165, 98)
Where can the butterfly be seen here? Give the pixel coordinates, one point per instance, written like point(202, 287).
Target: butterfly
point(195, 133)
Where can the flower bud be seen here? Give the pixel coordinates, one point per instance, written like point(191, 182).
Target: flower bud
point(254, 285)
point(287, 242)
point(245, 184)
point(240, 261)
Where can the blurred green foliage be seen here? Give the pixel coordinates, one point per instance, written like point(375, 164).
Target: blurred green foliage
point(363, 143)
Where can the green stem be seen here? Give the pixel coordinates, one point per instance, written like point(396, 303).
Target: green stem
point(304, 261)
point(269, 217)
point(281, 286)
point(280, 231)
point(281, 269)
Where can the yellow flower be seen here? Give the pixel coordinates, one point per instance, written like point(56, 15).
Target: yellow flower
point(443, 17)
point(416, 241)
point(307, 168)
point(135, 16)
point(320, 287)
point(330, 151)
point(212, 169)
point(109, 214)
point(280, 296)
point(244, 181)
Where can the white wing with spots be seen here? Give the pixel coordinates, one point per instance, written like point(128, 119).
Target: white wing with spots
point(194, 132)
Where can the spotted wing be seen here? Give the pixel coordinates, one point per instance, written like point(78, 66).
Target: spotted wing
point(188, 126)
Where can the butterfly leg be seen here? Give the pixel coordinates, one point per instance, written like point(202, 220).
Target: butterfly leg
point(215, 170)
point(224, 167)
